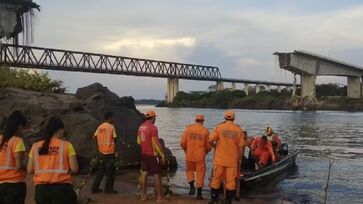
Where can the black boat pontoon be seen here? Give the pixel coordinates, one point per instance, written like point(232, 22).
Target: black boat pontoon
point(272, 170)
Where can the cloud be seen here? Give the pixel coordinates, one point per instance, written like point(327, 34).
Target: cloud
point(237, 36)
point(150, 43)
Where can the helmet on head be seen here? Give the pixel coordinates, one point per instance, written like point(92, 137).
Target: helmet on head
point(269, 131)
point(229, 115)
point(199, 117)
point(150, 114)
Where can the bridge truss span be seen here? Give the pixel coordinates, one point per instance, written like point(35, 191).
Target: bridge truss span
point(66, 60)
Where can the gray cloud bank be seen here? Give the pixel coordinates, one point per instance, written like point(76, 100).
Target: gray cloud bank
point(238, 37)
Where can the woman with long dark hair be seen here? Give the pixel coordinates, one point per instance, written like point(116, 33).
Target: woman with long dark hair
point(53, 160)
point(12, 169)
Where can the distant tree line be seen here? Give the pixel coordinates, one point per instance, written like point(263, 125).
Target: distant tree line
point(237, 98)
point(323, 90)
point(29, 80)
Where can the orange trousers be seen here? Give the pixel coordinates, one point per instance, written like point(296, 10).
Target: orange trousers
point(199, 169)
point(223, 173)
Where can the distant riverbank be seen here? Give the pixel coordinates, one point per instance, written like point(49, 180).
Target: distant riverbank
point(272, 100)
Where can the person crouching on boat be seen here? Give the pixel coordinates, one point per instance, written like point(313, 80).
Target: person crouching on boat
point(195, 143)
point(228, 140)
point(274, 139)
point(262, 152)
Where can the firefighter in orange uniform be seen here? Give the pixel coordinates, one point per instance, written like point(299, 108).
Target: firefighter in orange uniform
point(274, 139)
point(196, 146)
point(106, 140)
point(262, 151)
point(12, 170)
point(227, 138)
point(52, 160)
point(152, 155)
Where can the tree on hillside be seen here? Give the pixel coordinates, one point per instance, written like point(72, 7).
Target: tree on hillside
point(331, 89)
point(29, 80)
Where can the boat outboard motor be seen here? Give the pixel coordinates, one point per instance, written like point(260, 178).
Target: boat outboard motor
point(284, 149)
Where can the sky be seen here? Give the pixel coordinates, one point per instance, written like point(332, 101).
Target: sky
point(237, 36)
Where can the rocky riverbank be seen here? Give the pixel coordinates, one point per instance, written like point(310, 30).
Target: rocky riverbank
point(82, 113)
point(126, 183)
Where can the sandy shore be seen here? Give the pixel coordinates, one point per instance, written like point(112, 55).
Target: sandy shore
point(126, 185)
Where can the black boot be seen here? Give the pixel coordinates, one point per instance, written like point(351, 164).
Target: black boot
point(229, 196)
point(199, 194)
point(214, 196)
point(192, 188)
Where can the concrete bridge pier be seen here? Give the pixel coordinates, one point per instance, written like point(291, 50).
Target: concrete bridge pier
point(220, 86)
point(173, 88)
point(234, 86)
point(354, 87)
point(258, 88)
point(308, 86)
point(293, 90)
point(268, 88)
point(279, 89)
point(245, 87)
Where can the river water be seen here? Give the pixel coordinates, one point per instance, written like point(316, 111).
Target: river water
point(318, 136)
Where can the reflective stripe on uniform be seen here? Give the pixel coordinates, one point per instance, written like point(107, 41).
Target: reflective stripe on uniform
point(60, 168)
point(8, 157)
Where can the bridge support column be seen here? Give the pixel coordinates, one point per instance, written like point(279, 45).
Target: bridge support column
point(294, 86)
point(268, 88)
point(220, 86)
point(294, 90)
point(234, 87)
point(308, 86)
point(279, 89)
point(245, 88)
point(354, 87)
point(257, 88)
point(173, 88)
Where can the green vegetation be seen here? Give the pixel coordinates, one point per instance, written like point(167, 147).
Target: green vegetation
point(262, 100)
point(324, 90)
point(34, 81)
point(228, 99)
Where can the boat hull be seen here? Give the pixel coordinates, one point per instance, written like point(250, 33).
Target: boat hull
point(266, 173)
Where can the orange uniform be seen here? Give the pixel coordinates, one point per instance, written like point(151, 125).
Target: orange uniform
point(53, 167)
point(195, 143)
point(229, 142)
point(275, 138)
point(8, 171)
point(263, 151)
point(106, 135)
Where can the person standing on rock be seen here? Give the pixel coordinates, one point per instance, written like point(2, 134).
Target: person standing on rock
point(152, 155)
point(52, 161)
point(195, 143)
point(229, 143)
point(106, 140)
point(12, 168)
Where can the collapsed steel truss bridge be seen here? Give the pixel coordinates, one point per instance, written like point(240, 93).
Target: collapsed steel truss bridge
point(66, 60)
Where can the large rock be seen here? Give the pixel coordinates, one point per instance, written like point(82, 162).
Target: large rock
point(81, 114)
point(97, 99)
